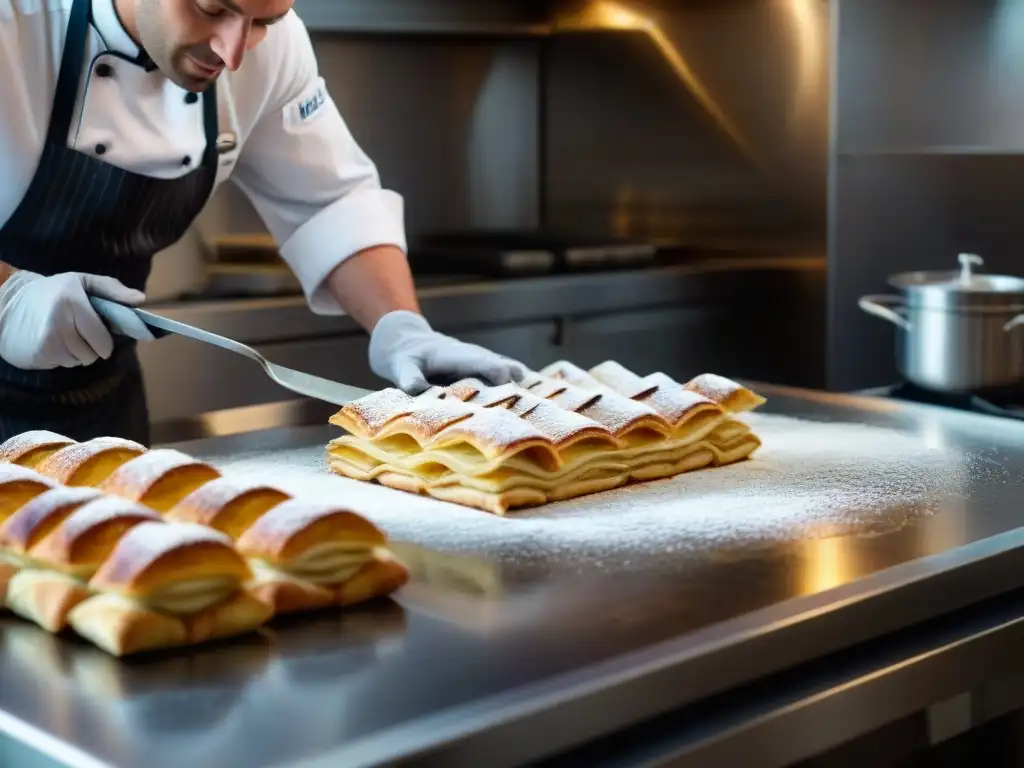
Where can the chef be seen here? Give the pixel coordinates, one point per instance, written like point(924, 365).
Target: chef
point(118, 119)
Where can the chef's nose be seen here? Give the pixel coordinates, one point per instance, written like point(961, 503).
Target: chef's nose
point(231, 42)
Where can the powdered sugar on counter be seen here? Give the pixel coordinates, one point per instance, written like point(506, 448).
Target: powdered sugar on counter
point(809, 479)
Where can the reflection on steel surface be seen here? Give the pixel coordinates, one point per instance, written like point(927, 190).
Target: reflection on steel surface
point(710, 120)
point(234, 421)
point(618, 16)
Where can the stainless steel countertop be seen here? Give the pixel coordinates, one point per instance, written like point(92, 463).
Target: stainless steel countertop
point(485, 657)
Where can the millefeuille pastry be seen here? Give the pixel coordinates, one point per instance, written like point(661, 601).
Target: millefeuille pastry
point(31, 522)
point(168, 584)
point(91, 462)
point(559, 433)
point(65, 559)
point(159, 478)
point(30, 448)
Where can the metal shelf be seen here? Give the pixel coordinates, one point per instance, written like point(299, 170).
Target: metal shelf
point(475, 18)
point(937, 149)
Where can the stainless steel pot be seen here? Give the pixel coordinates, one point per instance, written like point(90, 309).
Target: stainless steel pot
point(961, 332)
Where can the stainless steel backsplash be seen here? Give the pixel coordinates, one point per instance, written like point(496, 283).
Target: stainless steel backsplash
point(453, 127)
point(612, 131)
point(709, 120)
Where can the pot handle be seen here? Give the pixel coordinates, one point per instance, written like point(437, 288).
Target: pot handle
point(887, 308)
point(1017, 321)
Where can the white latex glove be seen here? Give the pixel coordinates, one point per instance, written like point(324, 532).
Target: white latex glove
point(406, 351)
point(47, 322)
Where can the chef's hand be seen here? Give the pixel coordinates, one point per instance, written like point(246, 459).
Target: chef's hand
point(48, 322)
point(406, 351)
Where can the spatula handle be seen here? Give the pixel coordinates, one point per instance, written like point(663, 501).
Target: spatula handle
point(125, 320)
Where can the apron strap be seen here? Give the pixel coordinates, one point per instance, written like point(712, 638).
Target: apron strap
point(211, 124)
point(71, 65)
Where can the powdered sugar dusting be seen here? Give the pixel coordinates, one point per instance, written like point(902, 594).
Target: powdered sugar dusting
point(563, 369)
point(209, 498)
point(142, 473)
point(272, 532)
point(15, 473)
point(17, 446)
point(609, 409)
point(618, 377)
point(558, 424)
point(621, 420)
point(23, 524)
point(375, 411)
point(490, 429)
point(466, 389)
point(808, 480)
point(675, 404)
point(574, 398)
point(550, 388)
point(489, 397)
point(148, 541)
point(427, 420)
point(59, 544)
point(713, 387)
point(63, 464)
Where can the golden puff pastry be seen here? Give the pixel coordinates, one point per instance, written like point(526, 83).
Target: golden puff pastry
point(91, 462)
point(30, 448)
point(168, 584)
point(30, 523)
point(18, 485)
point(64, 559)
point(227, 504)
point(159, 478)
point(558, 434)
point(309, 555)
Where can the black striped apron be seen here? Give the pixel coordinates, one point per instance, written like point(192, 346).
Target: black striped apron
point(83, 215)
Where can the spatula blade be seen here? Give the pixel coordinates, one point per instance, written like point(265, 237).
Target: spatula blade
point(315, 386)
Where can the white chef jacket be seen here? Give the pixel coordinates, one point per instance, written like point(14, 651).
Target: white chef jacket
point(317, 192)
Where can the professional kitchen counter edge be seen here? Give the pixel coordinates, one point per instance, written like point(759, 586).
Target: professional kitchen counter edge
point(578, 707)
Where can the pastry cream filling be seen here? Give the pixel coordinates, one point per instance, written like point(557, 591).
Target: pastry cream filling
point(367, 457)
point(23, 595)
point(32, 574)
point(325, 564)
point(10, 558)
point(19, 560)
point(599, 467)
point(189, 596)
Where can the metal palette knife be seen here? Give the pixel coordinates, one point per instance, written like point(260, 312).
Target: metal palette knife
point(130, 321)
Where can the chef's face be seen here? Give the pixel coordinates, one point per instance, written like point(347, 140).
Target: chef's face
point(193, 41)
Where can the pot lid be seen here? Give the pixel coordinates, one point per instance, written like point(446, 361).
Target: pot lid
point(962, 281)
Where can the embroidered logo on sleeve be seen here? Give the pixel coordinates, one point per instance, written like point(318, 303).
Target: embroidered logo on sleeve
point(309, 107)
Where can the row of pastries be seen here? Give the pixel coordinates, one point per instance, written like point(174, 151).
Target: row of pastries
point(138, 549)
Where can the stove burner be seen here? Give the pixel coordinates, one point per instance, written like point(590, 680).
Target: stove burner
point(1006, 404)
